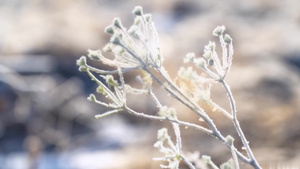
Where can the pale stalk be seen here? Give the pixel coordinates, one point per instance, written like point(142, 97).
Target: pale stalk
point(253, 161)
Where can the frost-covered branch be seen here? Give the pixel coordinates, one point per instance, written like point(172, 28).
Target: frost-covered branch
point(137, 48)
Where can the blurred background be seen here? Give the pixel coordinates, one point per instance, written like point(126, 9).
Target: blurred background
point(47, 123)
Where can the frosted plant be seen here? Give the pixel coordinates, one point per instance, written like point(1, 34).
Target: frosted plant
point(138, 49)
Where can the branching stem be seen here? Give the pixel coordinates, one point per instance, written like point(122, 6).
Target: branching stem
point(140, 50)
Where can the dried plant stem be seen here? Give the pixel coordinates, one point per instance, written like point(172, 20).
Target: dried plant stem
point(187, 124)
point(237, 126)
point(137, 49)
point(216, 106)
point(188, 163)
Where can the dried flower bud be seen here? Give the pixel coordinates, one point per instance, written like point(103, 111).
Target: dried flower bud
point(189, 57)
point(167, 112)
point(211, 62)
point(158, 144)
point(138, 10)
point(115, 40)
point(82, 68)
point(92, 98)
point(229, 140)
point(207, 54)
point(227, 39)
point(211, 46)
point(117, 23)
point(94, 54)
point(109, 29)
point(148, 17)
point(219, 30)
point(110, 80)
point(206, 158)
point(81, 61)
point(100, 89)
point(228, 165)
point(200, 62)
point(107, 48)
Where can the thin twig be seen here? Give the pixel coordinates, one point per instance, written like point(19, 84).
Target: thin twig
point(215, 105)
point(198, 127)
point(241, 134)
point(187, 162)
